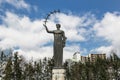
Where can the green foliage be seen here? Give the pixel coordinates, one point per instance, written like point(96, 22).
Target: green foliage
point(8, 70)
point(101, 69)
point(16, 68)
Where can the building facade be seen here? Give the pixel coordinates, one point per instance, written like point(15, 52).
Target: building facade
point(92, 57)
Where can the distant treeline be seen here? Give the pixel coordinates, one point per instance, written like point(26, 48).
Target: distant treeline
point(14, 67)
point(101, 69)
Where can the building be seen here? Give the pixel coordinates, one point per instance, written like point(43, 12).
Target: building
point(92, 57)
point(89, 58)
point(84, 59)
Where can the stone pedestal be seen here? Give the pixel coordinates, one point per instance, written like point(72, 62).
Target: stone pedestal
point(58, 74)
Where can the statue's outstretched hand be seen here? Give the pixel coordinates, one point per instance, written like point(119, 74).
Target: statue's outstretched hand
point(47, 29)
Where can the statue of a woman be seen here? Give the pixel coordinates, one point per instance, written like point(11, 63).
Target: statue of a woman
point(59, 44)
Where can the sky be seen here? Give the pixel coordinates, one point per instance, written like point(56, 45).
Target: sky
point(91, 26)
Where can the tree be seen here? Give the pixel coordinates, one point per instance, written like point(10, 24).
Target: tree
point(102, 68)
point(75, 71)
point(8, 70)
point(38, 69)
point(115, 64)
point(67, 68)
point(16, 67)
point(50, 67)
point(30, 71)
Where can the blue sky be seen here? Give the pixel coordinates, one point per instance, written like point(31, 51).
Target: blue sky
point(92, 26)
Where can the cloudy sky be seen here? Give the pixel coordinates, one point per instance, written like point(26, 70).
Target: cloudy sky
point(91, 26)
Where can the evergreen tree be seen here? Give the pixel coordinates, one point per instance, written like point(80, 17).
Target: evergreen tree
point(115, 65)
point(102, 68)
point(75, 71)
point(8, 70)
point(16, 67)
point(38, 70)
point(88, 70)
point(3, 62)
point(50, 67)
point(67, 68)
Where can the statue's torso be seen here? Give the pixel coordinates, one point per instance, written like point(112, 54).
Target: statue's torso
point(58, 37)
point(58, 31)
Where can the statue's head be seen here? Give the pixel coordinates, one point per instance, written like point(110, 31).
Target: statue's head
point(58, 26)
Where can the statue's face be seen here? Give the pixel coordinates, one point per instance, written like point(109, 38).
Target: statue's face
point(58, 26)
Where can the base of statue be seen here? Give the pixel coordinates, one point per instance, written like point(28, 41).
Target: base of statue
point(58, 74)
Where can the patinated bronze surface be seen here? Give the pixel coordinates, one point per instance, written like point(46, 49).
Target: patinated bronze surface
point(59, 44)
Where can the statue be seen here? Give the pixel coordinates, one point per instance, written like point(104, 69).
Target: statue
point(59, 44)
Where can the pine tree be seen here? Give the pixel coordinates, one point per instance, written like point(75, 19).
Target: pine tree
point(115, 65)
point(102, 69)
point(39, 69)
point(30, 71)
point(74, 70)
point(17, 68)
point(50, 67)
point(67, 68)
point(88, 70)
point(3, 62)
point(8, 70)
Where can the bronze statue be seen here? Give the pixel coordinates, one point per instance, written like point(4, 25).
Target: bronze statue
point(59, 44)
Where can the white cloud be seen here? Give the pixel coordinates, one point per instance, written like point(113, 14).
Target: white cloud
point(30, 35)
point(36, 54)
point(70, 50)
point(103, 49)
point(22, 32)
point(16, 3)
point(109, 29)
point(74, 26)
point(47, 52)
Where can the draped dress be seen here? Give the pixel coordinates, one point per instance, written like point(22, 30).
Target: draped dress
point(59, 43)
point(58, 47)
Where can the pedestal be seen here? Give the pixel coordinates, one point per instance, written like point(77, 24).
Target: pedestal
point(58, 74)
